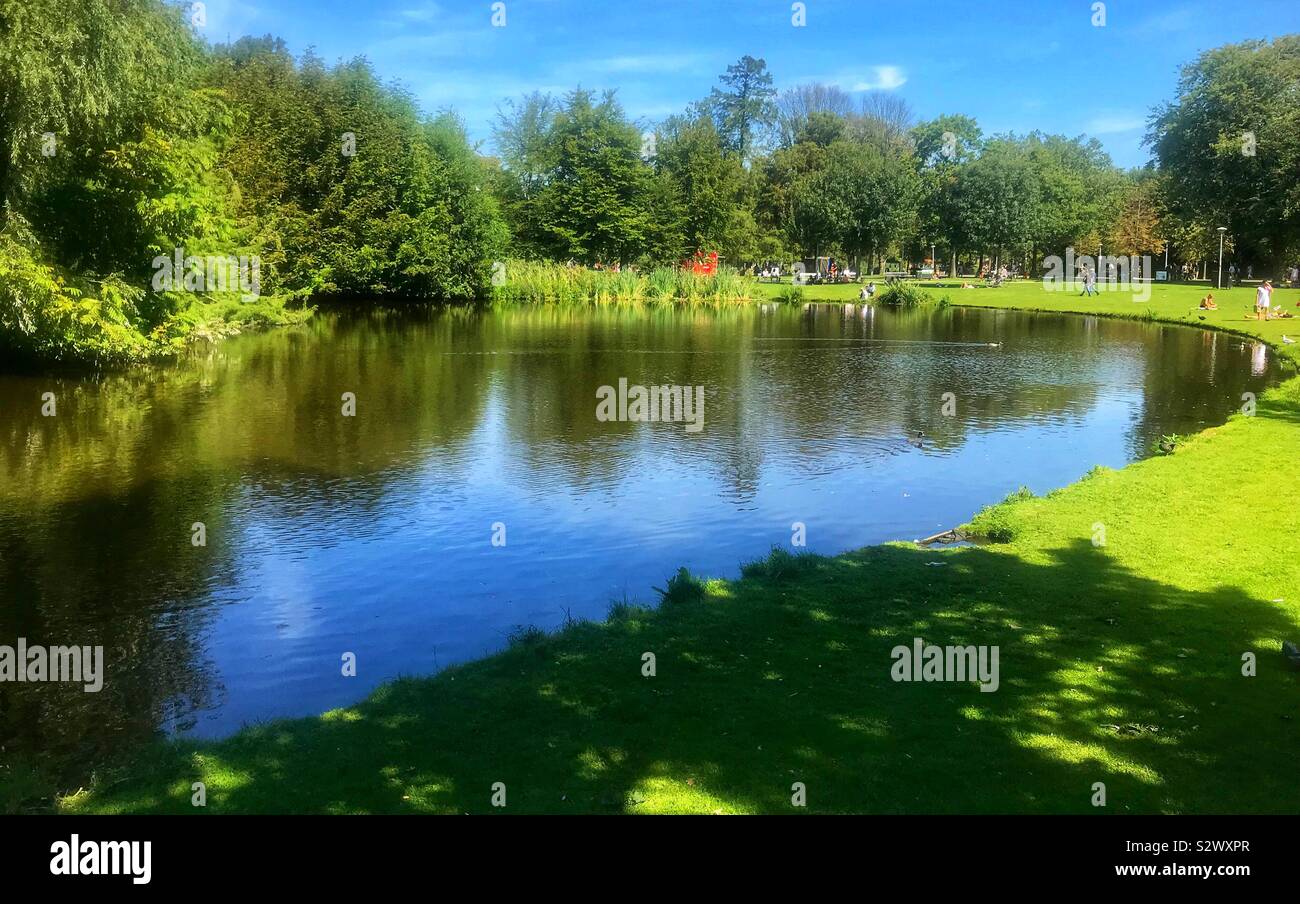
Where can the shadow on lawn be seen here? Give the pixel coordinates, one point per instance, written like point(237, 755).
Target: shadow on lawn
point(1105, 676)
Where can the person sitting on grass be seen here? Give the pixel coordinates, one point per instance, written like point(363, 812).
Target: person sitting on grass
point(1207, 303)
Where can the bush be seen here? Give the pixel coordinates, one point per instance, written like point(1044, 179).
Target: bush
point(905, 295)
point(1000, 523)
point(683, 587)
point(780, 565)
point(526, 636)
point(48, 316)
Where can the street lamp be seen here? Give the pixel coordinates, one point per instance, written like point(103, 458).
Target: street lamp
point(1222, 230)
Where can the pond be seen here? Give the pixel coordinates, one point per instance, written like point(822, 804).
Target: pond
point(474, 489)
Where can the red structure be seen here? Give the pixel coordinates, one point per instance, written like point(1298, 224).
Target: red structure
point(704, 264)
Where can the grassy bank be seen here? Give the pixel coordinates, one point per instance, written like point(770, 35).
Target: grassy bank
point(1120, 663)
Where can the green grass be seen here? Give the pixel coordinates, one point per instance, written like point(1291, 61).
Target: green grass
point(1120, 663)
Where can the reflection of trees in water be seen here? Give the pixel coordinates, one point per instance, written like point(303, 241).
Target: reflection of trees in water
point(1193, 379)
point(121, 573)
point(96, 503)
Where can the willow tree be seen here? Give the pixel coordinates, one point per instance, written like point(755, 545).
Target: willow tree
point(78, 76)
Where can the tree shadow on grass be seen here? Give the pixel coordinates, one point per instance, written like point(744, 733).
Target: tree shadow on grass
point(1105, 676)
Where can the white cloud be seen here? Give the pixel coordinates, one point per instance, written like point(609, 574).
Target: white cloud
point(1115, 123)
point(425, 12)
point(882, 78)
point(886, 78)
point(646, 63)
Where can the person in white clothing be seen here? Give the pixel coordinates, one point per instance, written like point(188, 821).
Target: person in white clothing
point(1263, 299)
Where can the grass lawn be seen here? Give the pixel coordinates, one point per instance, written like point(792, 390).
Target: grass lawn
point(1120, 663)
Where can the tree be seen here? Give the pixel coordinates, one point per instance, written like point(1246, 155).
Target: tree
point(878, 193)
point(744, 104)
point(948, 140)
point(351, 191)
point(1138, 229)
point(942, 146)
point(997, 197)
point(797, 105)
point(91, 72)
point(885, 118)
point(1080, 192)
point(711, 187)
point(598, 201)
point(1229, 145)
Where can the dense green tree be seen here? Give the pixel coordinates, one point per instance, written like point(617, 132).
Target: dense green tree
point(1229, 146)
point(942, 146)
point(351, 192)
point(598, 201)
point(878, 192)
point(998, 198)
point(91, 73)
point(712, 187)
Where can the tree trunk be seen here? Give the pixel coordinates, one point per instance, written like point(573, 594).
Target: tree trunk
point(4, 182)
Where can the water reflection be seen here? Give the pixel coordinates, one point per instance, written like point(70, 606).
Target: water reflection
point(371, 534)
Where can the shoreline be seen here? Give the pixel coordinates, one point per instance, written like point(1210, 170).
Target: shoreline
point(415, 698)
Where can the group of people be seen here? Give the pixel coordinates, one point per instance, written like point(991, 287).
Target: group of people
point(1089, 279)
point(1236, 274)
point(1264, 307)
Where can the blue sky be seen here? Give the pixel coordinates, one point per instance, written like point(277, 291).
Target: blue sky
point(1016, 65)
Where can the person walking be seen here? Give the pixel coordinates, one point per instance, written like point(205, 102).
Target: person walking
point(1089, 281)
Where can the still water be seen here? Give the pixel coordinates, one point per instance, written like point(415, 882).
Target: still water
point(373, 534)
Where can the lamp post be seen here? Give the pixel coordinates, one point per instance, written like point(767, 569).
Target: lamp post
point(1222, 230)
